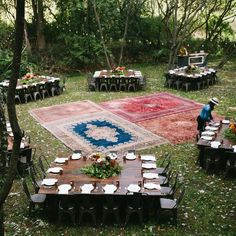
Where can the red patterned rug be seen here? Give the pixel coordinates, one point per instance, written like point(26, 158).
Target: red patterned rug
point(149, 107)
point(177, 128)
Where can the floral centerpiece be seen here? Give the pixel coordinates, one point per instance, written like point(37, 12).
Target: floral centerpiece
point(192, 69)
point(118, 70)
point(102, 167)
point(230, 133)
point(29, 78)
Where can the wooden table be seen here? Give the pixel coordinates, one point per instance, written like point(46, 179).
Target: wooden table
point(130, 174)
point(226, 144)
point(107, 80)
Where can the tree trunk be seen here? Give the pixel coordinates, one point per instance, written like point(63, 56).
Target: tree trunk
point(27, 42)
point(41, 44)
point(1, 221)
point(229, 53)
point(3, 139)
point(101, 34)
point(11, 171)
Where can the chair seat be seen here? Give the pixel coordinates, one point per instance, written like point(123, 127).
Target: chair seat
point(167, 190)
point(166, 203)
point(38, 198)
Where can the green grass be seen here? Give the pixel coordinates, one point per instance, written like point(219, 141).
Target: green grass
point(209, 205)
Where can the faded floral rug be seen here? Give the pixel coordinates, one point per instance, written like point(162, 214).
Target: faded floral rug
point(86, 126)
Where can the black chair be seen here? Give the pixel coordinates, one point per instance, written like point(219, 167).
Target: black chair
point(142, 82)
point(113, 86)
point(134, 205)
point(230, 167)
point(169, 80)
point(91, 82)
point(165, 180)
point(41, 166)
point(110, 207)
point(34, 199)
point(163, 170)
point(25, 160)
point(66, 206)
point(132, 84)
point(44, 90)
point(28, 93)
point(171, 205)
point(170, 191)
point(123, 83)
point(36, 92)
point(213, 160)
point(86, 207)
point(34, 178)
point(103, 84)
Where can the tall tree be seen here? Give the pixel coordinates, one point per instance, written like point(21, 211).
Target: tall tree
point(7, 180)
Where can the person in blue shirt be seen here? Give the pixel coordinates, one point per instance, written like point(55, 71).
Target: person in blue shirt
point(205, 114)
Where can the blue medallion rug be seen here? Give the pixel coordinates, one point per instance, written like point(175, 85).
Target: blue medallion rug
point(101, 130)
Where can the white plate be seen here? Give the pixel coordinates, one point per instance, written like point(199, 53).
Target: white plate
point(64, 188)
point(148, 158)
point(216, 124)
point(112, 155)
point(130, 156)
point(205, 133)
point(149, 165)
point(150, 175)
point(215, 144)
point(234, 146)
point(76, 156)
point(211, 128)
point(133, 188)
point(109, 188)
point(60, 160)
point(87, 188)
point(208, 138)
point(151, 186)
point(225, 121)
point(54, 170)
point(49, 182)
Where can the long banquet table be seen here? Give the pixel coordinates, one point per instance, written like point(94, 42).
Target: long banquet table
point(225, 145)
point(131, 174)
point(180, 79)
point(130, 79)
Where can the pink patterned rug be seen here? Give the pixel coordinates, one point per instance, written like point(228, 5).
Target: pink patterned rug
point(149, 107)
point(57, 112)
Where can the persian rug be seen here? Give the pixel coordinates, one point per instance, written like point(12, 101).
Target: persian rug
point(149, 107)
point(177, 128)
point(61, 111)
point(94, 129)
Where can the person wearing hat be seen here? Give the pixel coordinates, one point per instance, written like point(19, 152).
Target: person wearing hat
point(205, 114)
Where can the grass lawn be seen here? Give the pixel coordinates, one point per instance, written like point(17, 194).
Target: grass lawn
point(209, 205)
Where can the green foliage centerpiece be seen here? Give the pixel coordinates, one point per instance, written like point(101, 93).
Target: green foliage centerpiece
point(192, 69)
point(230, 133)
point(102, 167)
point(118, 70)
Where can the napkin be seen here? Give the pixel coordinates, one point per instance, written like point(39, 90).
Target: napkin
point(148, 158)
point(151, 186)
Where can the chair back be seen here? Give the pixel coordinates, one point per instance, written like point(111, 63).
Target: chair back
point(41, 165)
point(231, 158)
point(135, 200)
point(181, 195)
point(26, 189)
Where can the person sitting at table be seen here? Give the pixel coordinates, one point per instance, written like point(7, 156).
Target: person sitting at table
point(205, 114)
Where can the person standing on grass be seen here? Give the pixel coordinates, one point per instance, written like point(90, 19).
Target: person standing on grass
point(205, 114)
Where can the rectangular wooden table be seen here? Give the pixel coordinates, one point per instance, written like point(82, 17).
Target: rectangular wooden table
point(226, 144)
point(128, 77)
point(130, 174)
